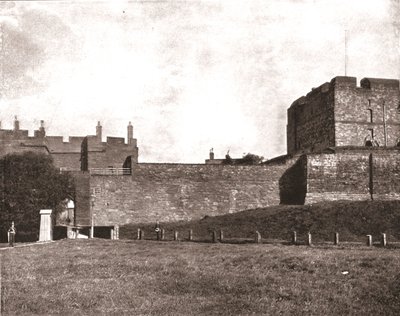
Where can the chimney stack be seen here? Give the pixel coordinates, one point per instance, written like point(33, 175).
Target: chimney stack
point(98, 131)
point(212, 154)
point(16, 123)
point(41, 128)
point(41, 132)
point(130, 133)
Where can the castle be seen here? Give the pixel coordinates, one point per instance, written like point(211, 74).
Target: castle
point(343, 142)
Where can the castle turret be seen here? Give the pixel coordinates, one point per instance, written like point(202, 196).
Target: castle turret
point(16, 123)
point(130, 133)
point(99, 131)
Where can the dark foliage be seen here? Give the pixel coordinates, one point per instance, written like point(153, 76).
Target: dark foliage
point(248, 159)
point(29, 183)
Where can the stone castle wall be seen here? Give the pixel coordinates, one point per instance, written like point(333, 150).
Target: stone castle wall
point(111, 153)
point(341, 114)
point(353, 175)
point(311, 121)
point(327, 134)
point(366, 110)
point(172, 192)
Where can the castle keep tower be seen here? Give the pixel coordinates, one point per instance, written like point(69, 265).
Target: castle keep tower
point(340, 114)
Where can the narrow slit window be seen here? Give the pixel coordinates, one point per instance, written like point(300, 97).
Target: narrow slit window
point(370, 116)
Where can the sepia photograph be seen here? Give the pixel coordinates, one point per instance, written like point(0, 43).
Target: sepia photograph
point(200, 157)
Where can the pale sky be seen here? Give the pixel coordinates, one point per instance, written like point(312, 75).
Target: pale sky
point(190, 75)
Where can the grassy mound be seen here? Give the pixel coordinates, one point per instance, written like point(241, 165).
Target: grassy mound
point(352, 220)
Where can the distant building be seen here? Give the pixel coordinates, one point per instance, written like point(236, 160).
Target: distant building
point(79, 153)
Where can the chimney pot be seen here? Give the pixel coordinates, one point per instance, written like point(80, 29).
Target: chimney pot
point(16, 123)
point(98, 131)
point(130, 133)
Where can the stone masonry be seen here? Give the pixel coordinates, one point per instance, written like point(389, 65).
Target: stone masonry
point(343, 143)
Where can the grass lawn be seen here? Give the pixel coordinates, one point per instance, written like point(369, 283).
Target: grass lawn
point(87, 277)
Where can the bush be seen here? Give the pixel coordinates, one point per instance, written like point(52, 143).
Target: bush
point(29, 183)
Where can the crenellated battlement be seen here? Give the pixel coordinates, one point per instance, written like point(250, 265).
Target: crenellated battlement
point(340, 113)
point(68, 153)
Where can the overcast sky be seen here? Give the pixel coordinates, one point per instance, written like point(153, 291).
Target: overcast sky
point(190, 75)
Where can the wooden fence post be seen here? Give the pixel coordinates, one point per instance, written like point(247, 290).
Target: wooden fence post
point(221, 235)
point(294, 238)
point(190, 234)
point(309, 240)
point(141, 234)
point(336, 239)
point(369, 240)
point(162, 234)
point(175, 235)
point(383, 240)
point(257, 237)
point(214, 236)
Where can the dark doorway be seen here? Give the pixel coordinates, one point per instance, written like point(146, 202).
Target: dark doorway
point(102, 232)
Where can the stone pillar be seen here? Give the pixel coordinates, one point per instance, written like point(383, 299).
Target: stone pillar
point(221, 235)
point(46, 226)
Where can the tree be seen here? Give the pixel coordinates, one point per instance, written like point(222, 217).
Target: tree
point(30, 182)
point(250, 159)
point(247, 159)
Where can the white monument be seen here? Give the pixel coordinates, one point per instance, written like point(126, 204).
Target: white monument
point(46, 227)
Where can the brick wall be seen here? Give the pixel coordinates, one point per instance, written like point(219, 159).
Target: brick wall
point(172, 192)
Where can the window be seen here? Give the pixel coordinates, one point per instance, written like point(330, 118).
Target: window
point(370, 116)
